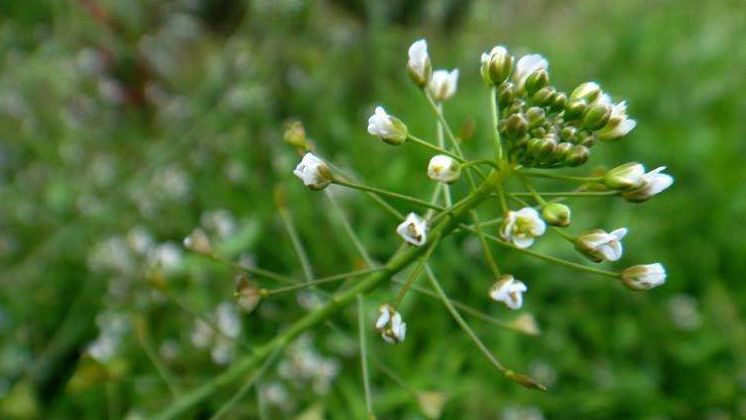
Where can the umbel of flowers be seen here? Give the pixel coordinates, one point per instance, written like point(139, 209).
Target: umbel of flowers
point(536, 129)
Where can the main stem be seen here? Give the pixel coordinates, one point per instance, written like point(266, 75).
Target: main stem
point(395, 264)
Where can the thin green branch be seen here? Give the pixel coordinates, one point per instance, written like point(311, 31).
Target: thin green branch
point(568, 194)
point(583, 179)
point(430, 146)
point(364, 354)
point(412, 200)
point(495, 121)
point(141, 331)
point(415, 273)
point(485, 246)
point(336, 277)
point(297, 243)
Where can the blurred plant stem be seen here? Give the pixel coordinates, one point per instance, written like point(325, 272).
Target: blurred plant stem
point(395, 264)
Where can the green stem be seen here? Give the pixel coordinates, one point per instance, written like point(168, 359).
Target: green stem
point(165, 374)
point(568, 194)
point(485, 246)
point(415, 273)
point(413, 200)
point(329, 279)
point(495, 121)
point(435, 148)
point(562, 177)
point(480, 162)
point(297, 243)
point(397, 263)
point(364, 354)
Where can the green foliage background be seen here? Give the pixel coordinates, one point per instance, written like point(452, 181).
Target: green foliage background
point(103, 100)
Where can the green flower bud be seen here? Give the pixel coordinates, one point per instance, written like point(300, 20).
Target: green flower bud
point(516, 126)
point(596, 116)
point(496, 66)
point(505, 94)
point(536, 116)
point(545, 96)
point(588, 91)
point(556, 214)
point(533, 146)
point(625, 177)
point(546, 148)
point(568, 133)
point(537, 80)
point(577, 156)
point(295, 134)
point(575, 109)
point(560, 100)
point(562, 150)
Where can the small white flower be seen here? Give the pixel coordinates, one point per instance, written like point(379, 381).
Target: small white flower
point(652, 183)
point(601, 246)
point(198, 241)
point(413, 229)
point(443, 168)
point(390, 129)
point(496, 66)
point(527, 65)
point(643, 277)
point(419, 65)
point(390, 324)
point(522, 226)
point(313, 172)
point(619, 124)
point(509, 291)
point(443, 84)
point(626, 176)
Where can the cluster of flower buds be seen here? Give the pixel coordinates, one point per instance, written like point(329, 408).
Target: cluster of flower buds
point(545, 127)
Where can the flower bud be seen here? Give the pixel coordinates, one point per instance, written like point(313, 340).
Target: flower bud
point(596, 116)
point(413, 230)
point(562, 150)
point(652, 183)
point(524, 380)
point(546, 147)
point(545, 96)
point(443, 168)
point(389, 128)
point(198, 241)
point(295, 134)
point(248, 293)
point(575, 109)
point(536, 117)
point(556, 214)
point(537, 80)
point(644, 277)
point(505, 94)
point(619, 124)
point(526, 66)
point(496, 66)
point(443, 84)
point(568, 133)
point(625, 177)
point(577, 156)
point(559, 102)
point(314, 172)
point(419, 64)
point(509, 291)
point(588, 91)
point(516, 126)
point(601, 246)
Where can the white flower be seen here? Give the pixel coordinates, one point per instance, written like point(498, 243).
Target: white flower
point(496, 66)
point(527, 65)
point(313, 172)
point(643, 277)
point(390, 129)
point(652, 183)
point(413, 229)
point(601, 246)
point(419, 65)
point(198, 241)
point(443, 84)
point(619, 125)
point(509, 291)
point(443, 168)
point(626, 176)
point(522, 226)
point(390, 325)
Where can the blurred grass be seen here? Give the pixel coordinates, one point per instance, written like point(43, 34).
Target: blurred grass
point(119, 114)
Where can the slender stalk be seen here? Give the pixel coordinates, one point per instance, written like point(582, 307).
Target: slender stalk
point(394, 377)
point(495, 121)
point(415, 274)
point(568, 194)
point(439, 115)
point(336, 277)
point(348, 230)
point(447, 199)
point(501, 196)
point(261, 406)
point(583, 179)
point(180, 406)
point(160, 367)
point(485, 246)
point(297, 243)
point(480, 162)
point(413, 200)
point(434, 147)
point(364, 354)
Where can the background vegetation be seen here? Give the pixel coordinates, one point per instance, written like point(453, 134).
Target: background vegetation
point(126, 124)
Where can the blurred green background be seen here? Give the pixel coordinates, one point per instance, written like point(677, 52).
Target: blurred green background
point(126, 124)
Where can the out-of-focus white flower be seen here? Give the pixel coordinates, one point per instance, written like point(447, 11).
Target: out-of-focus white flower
point(626, 176)
point(166, 256)
point(619, 124)
point(527, 65)
point(389, 128)
point(509, 291)
point(443, 168)
point(522, 226)
point(201, 335)
point(652, 183)
point(313, 172)
point(413, 229)
point(598, 245)
point(390, 324)
point(247, 292)
point(227, 320)
point(644, 276)
point(198, 242)
point(496, 66)
point(443, 84)
point(419, 65)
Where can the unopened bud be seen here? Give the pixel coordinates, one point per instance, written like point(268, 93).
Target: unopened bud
point(537, 80)
point(546, 148)
point(624, 177)
point(295, 134)
point(556, 214)
point(596, 116)
point(644, 277)
point(419, 64)
point(588, 91)
point(536, 116)
point(389, 128)
point(496, 66)
point(524, 380)
point(577, 156)
point(545, 96)
point(568, 133)
point(198, 241)
point(516, 126)
point(574, 109)
point(247, 292)
point(505, 94)
point(559, 102)
point(562, 150)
